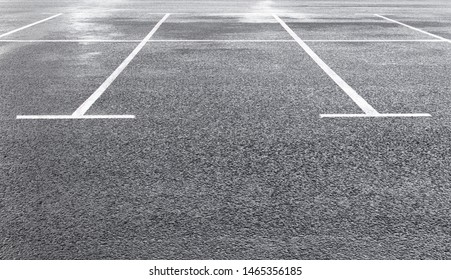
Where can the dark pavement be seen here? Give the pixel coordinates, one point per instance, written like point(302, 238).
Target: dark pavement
point(227, 157)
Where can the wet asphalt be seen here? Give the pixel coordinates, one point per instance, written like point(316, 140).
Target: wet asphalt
point(227, 157)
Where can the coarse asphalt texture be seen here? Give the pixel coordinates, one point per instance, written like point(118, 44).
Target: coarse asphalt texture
point(227, 156)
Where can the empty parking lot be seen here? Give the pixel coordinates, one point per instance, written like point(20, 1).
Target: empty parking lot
point(225, 130)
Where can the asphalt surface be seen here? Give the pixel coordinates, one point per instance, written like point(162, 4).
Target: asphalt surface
point(227, 157)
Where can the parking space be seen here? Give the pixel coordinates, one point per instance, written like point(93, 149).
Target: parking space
point(247, 83)
point(12, 21)
point(439, 24)
point(404, 77)
point(91, 26)
point(54, 78)
point(349, 27)
point(222, 27)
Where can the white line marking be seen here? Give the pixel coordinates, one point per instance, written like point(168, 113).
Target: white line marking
point(30, 25)
point(96, 95)
point(232, 41)
point(225, 40)
point(373, 116)
point(132, 41)
point(211, 14)
point(374, 41)
point(414, 28)
point(71, 41)
point(365, 106)
point(62, 117)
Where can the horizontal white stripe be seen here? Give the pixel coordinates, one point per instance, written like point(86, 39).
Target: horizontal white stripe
point(61, 117)
point(373, 115)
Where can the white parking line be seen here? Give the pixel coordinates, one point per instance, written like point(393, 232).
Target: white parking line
point(407, 115)
point(218, 41)
point(376, 41)
point(136, 41)
point(71, 41)
point(30, 25)
point(96, 95)
point(414, 28)
point(325, 41)
point(70, 117)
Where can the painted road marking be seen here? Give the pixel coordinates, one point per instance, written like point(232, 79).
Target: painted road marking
point(134, 41)
point(219, 41)
point(332, 41)
point(63, 117)
point(72, 41)
point(375, 41)
point(414, 28)
point(30, 25)
point(374, 116)
point(96, 95)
